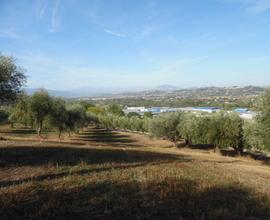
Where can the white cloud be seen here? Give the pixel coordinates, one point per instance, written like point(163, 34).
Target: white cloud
point(10, 33)
point(41, 8)
point(55, 23)
point(116, 34)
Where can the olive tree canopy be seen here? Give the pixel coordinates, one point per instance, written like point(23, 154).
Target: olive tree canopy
point(12, 78)
point(263, 119)
point(40, 107)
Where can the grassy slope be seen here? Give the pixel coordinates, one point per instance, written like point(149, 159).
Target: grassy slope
point(108, 175)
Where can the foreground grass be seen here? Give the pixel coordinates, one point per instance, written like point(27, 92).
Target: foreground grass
point(108, 175)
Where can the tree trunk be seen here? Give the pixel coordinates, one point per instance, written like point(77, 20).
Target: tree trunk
point(39, 128)
point(69, 135)
point(239, 150)
point(241, 146)
point(187, 142)
point(216, 149)
point(175, 143)
point(59, 134)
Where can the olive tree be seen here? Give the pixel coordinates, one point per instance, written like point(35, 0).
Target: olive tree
point(226, 130)
point(194, 129)
point(186, 126)
point(165, 126)
point(133, 114)
point(21, 112)
point(97, 110)
point(115, 110)
point(76, 117)
point(58, 115)
point(148, 115)
point(252, 133)
point(40, 107)
point(146, 123)
point(12, 78)
point(263, 119)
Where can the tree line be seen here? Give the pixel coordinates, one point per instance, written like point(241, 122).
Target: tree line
point(42, 110)
point(220, 129)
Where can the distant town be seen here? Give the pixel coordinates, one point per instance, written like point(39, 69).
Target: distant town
point(243, 112)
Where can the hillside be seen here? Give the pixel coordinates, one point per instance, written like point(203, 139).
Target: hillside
point(206, 92)
point(101, 174)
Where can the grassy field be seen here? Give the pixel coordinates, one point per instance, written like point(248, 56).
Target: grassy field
point(101, 174)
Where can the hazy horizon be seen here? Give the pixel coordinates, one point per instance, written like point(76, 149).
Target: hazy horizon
point(135, 45)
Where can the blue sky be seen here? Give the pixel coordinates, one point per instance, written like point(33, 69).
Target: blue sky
point(71, 44)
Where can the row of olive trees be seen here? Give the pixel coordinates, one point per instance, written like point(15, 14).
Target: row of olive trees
point(221, 129)
point(133, 123)
point(113, 117)
point(41, 108)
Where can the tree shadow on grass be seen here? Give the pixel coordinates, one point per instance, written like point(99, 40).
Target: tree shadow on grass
point(70, 156)
point(201, 146)
point(102, 135)
point(254, 155)
point(20, 131)
point(260, 156)
point(166, 199)
point(80, 172)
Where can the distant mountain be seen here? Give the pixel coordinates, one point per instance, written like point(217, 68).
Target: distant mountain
point(166, 87)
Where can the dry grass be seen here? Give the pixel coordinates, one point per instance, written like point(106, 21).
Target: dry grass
point(111, 175)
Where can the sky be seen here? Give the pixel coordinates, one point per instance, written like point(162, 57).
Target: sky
point(127, 44)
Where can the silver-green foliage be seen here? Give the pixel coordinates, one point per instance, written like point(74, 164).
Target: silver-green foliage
point(40, 107)
point(262, 129)
point(12, 78)
point(58, 115)
point(166, 126)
